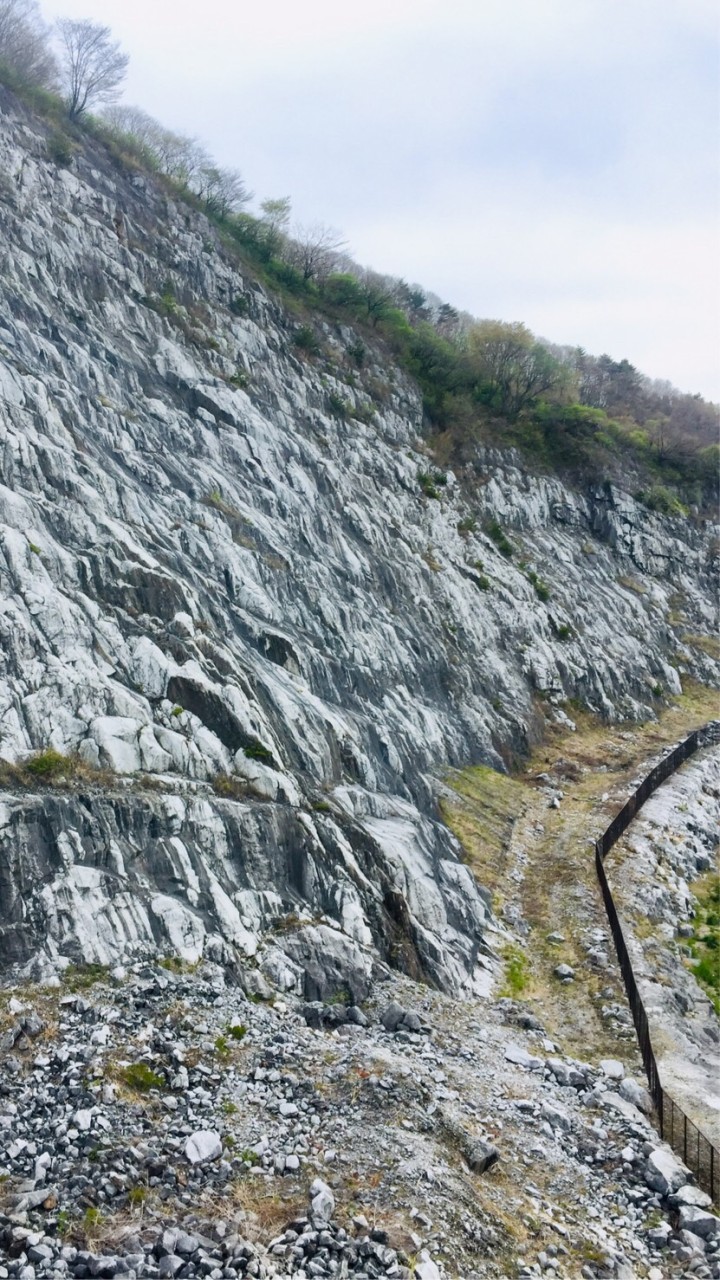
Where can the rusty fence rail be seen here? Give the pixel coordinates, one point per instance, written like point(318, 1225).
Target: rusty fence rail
point(696, 1150)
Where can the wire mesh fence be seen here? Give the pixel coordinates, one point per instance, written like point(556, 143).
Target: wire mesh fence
point(689, 1142)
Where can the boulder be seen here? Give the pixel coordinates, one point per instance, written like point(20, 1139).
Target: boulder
point(202, 1146)
point(322, 1204)
point(664, 1172)
point(700, 1221)
point(481, 1155)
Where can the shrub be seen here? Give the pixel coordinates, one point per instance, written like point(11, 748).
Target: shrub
point(79, 977)
point(256, 751)
point(660, 499)
point(142, 1078)
point(562, 630)
point(542, 590)
point(516, 970)
point(430, 482)
point(496, 534)
point(49, 763)
point(240, 304)
point(467, 525)
point(306, 339)
point(338, 407)
point(236, 1031)
point(357, 352)
point(61, 149)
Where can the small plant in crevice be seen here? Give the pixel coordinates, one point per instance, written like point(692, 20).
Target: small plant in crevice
point(306, 339)
point(236, 1031)
point(338, 407)
point(49, 763)
point(561, 630)
point(542, 590)
point(357, 352)
point(256, 751)
point(517, 975)
point(240, 304)
point(467, 525)
point(496, 534)
point(431, 482)
point(141, 1078)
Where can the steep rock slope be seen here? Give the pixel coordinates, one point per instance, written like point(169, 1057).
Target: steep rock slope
point(216, 559)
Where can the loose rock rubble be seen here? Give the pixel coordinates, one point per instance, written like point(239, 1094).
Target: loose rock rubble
point(161, 1124)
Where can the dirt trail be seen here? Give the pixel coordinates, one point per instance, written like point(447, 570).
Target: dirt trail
point(529, 840)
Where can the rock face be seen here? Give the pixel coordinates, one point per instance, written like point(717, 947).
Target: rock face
point(216, 559)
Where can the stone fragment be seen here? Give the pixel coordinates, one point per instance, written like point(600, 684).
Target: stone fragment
point(392, 1016)
point(202, 1146)
point(664, 1172)
point(700, 1221)
point(612, 1068)
point(481, 1155)
point(515, 1053)
point(322, 1204)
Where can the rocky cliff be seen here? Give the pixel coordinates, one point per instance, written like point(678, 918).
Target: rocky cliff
point(225, 593)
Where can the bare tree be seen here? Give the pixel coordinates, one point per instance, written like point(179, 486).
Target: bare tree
point(134, 123)
point(315, 250)
point(275, 219)
point(25, 42)
point(222, 190)
point(93, 64)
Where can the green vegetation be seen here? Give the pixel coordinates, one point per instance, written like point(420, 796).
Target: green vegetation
point(483, 382)
point(705, 942)
point(79, 977)
point(542, 590)
point(431, 482)
point(306, 340)
point(236, 1031)
point(496, 534)
point(467, 525)
point(48, 763)
point(516, 971)
point(256, 751)
point(562, 630)
point(141, 1078)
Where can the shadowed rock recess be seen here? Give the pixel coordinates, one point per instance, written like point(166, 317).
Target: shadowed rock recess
point(210, 579)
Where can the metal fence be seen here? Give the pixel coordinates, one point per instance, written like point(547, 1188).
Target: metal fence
point(696, 1150)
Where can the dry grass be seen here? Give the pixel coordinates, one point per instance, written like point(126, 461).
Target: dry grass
point(497, 818)
point(265, 1205)
point(708, 644)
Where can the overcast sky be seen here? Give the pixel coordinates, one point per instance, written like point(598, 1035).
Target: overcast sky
point(552, 161)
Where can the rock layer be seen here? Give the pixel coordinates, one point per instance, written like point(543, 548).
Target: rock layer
point(216, 559)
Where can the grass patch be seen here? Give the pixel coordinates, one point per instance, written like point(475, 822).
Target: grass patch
point(141, 1078)
point(705, 941)
point(80, 977)
point(496, 534)
point(517, 975)
point(707, 644)
point(482, 814)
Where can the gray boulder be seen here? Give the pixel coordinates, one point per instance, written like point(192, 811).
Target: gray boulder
point(664, 1172)
point(202, 1146)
